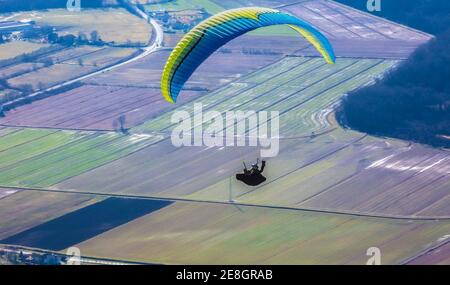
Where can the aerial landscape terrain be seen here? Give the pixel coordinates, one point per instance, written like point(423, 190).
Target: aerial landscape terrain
point(86, 158)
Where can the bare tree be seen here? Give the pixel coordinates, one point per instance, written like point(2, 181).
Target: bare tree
point(120, 124)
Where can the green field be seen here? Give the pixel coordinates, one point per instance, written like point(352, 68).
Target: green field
point(296, 87)
point(330, 194)
point(41, 158)
point(300, 89)
point(193, 233)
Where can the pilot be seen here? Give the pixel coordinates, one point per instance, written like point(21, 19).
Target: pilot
point(253, 177)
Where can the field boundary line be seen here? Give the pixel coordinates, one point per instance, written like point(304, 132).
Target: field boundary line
point(274, 207)
point(59, 128)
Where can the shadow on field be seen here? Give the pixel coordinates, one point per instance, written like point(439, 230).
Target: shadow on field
point(85, 223)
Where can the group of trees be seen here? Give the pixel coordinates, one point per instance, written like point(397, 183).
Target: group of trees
point(71, 40)
point(412, 101)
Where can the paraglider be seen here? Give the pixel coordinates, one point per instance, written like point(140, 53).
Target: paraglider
point(253, 176)
point(216, 31)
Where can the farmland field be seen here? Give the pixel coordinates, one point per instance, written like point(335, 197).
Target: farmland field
point(25, 209)
point(280, 90)
point(49, 76)
point(272, 88)
point(436, 256)
point(331, 193)
point(192, 233)
point(6, 192)
point(113, 25)
point(18, 69)
point(40, 157)
point(68, 64)
point(93, 107)
point(178, 5)
point(16, 48)
point(64, 231)
point(147, 73)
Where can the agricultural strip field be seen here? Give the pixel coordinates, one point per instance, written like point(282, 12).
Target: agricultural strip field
point(41, 157)
point(339, 21)
point(112, 25)
point(284, 86)
point(194, 233)
point(297, 174)
point(331, 193)
point(357, 34)
point(18, 69)
point(50, 76)
point(6, 192)
point(93, 107)
point(84, 223)
point(258, 91)
point(68, 64)
point(16, 48)
point(436, 256)
point(354, 33)
point(147, 72)
point(24, 209)
point(414, 181)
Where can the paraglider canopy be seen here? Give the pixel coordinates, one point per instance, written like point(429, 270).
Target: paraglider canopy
point(216, 31)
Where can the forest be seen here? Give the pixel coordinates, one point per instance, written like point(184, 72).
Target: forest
point(411, 102)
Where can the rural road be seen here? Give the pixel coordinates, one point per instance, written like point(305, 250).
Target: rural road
point(153, 46)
